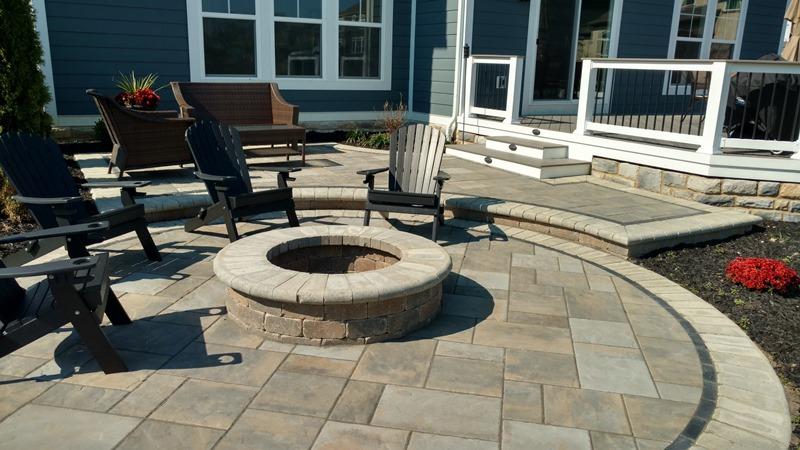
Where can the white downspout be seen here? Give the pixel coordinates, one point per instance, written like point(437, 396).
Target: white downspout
point(411, 56)
point(47, 62)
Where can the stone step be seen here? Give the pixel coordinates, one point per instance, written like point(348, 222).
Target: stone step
point(532, 167)
point(527, 147)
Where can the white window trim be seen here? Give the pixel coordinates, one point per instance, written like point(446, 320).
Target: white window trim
point(705, 41)
point(265, 50)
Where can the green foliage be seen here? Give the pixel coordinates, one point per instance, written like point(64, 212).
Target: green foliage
point(23, 93)
point(378, 140)
point(11, 212)
point(356, 136)
point(132, 84)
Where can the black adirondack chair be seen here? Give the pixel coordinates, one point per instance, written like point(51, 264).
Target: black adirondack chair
point(39, 174)
point(75, 291)
point(415, 181)
point(221, 164)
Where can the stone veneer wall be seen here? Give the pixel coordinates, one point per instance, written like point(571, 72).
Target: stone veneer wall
point(768, 199)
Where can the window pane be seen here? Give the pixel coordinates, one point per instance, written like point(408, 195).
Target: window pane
point(721, 51)
point(243, 6)
point(297, 49)
point(726, 23)
point(692, 19)
point(685, 50)
point(217, 6)
point(307, 9)
point(360, 10)
point(359, 52)
point(229, 46)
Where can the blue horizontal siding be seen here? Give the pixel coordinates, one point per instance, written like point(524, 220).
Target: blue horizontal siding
point(762, 30)
point(645, 28)
point(91, 41)
point(500, 27)
point(435, 53)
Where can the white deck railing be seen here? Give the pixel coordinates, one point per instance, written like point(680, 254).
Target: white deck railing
point(493, 86)
point(696, 94)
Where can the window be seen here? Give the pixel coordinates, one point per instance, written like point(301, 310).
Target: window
point(301, 44)
point(708, 29)
point(298, 37)
point(359, 38)
point(229, 37)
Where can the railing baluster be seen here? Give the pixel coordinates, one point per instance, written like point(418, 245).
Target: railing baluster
point(769, 112)
point(796, 120)
point(746, 105)
point(783, 112)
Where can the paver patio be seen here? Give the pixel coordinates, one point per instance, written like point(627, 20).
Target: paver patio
point(536, 347)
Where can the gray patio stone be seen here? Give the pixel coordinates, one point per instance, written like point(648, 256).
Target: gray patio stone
point(679, 392)
point(152, 434)
point(19, 366)
point(80, 397)
point(594, 305)
point(490, 280)
point(661, 325)
point(139, 306)
point(224, 363)
point(210, 294)
point(267, 429)
point(335, 435)
point(148, 396)
point(140, 366)
point(468, 376)
point(205, 403)
point(280, 347)
point(530, 436)
point(403, 363)
point(547, 300)
point(607, 441)
point(613, 369)
point(299, 393)
point(152, 337)
point(584, 408)
point(601, 283)
point(66, 429)
point(144, 283)
point(538, 319)
point(318, 366)
point(425, 441)
point(530, 337)
point(346, 352)
point(538, 262)
point(448, 328)
point(658, 419)
point(522, 402)
point(616, 334)
point(672, 361)
point(562, 279)
point(476, 307)
point(357, 402)
point(541, 367)
point(439, 412)
point(469, 351)
point(225, 331)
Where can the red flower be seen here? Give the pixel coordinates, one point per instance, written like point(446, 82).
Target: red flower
point(762, 274)
point(144, 98)
point(123, 98)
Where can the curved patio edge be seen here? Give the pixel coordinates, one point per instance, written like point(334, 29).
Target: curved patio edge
point(625, 240)
point(743, 404)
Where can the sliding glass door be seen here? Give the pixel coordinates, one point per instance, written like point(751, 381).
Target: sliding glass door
point(562, 33)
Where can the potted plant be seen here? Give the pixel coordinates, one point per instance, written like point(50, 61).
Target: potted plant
point(138, 92)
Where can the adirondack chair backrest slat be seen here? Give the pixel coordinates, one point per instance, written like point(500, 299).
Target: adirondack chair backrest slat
point(36, 167)
point(415, 157)
point(213, 156)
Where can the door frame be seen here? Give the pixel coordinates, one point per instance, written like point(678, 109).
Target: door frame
point(531, 106)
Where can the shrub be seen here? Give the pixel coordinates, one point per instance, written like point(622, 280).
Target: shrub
point(138, 91)
point(394, 117)
point(23, 93)
point(101, 132)
point(378, 140)
point(762, 274)
point(356, 136)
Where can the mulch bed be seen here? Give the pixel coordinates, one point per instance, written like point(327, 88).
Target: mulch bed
point(770, 319)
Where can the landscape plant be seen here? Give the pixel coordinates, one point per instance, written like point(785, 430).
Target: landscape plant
point(138, 92)
point(762, 274)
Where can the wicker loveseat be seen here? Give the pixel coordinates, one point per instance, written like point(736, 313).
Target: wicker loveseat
point(256, 110)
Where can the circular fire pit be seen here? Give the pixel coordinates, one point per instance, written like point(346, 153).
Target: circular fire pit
point(333, 284)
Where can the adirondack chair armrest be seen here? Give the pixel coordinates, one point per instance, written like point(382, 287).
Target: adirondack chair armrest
point(66, 231)
point(283, 174)
point(50, 268)
point(127, 188)
point(187, 111)
point(54, 201)
point(216, 179)
point(442, 177)
point(369, 176)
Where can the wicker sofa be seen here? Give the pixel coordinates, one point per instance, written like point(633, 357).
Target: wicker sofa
point(143, 139)
point(256, 110)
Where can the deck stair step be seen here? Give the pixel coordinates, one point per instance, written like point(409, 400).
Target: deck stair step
point(512, 162)
point(527, 147)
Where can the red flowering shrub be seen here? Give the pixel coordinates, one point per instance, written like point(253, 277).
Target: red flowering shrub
point(762, 274)
point(143, 98)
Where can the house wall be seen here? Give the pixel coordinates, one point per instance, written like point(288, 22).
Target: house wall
point(500, 27)
point(435, 53)
point(763, 28)
point(91, 41)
